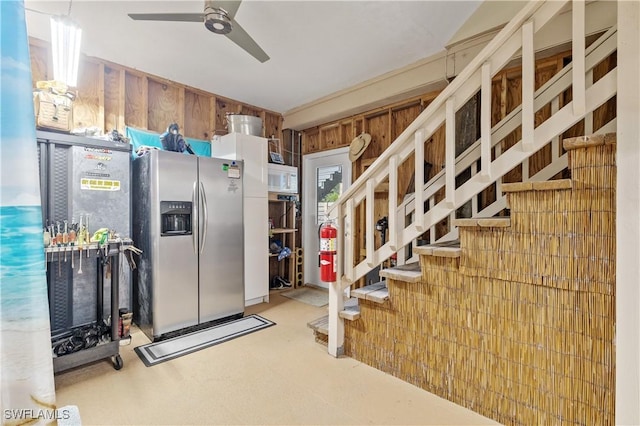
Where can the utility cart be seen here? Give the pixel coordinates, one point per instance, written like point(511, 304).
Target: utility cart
point(112, 252)
point(85, 184)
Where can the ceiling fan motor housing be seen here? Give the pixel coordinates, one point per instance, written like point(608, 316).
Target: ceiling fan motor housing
point(217, 20)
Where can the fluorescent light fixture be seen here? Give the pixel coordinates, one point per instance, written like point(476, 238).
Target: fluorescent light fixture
point(65, 45)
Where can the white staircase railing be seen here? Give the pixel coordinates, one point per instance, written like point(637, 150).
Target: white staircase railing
point(549, 93)
point(410, 219)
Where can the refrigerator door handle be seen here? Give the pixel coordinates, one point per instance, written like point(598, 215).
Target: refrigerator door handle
point(194, 225)
point(205, 210)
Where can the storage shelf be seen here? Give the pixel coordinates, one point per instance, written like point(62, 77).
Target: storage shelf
point(284, 212)
point(282, 230)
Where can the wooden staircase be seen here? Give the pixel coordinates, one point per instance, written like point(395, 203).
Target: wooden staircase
point(516, 321)
point(527, 127)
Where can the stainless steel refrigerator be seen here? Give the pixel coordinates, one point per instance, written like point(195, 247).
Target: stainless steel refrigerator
point(187, 219)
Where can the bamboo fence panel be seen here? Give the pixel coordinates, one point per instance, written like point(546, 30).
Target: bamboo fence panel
point(521, 327)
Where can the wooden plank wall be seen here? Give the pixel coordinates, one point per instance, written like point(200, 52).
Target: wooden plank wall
point(111, 96)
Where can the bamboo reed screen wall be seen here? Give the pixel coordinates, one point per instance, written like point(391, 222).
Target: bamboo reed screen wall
point(521, 327)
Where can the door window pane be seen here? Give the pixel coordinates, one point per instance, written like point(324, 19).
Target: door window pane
point(328, 189)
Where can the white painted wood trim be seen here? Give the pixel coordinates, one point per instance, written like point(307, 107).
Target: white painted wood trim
point(419, 179)
point(485, 122)
point(335, 345)
point(528, 85)
point(351, 239)
point(474, 200)
point(555, 141)
point(370, 223)
point(342, 242)
point(450, 154)
point(432, 230)
point(588, 118)
point(627, 364)
point(578, 57)
point(393, 201)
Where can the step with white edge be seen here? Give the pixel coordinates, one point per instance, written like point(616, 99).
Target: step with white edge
point(351, 310)
point(409, 273)
point(446, 249)
point(377, 292)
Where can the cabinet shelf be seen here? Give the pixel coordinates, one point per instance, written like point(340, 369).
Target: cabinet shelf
point(284, 212)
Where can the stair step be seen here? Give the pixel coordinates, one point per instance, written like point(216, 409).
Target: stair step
point(445, 249)
point(375, 292)
point(487, 222)
point(410, 273)
point(350, 302)
point(351, 311)
point(545, 185)
point(320, 325)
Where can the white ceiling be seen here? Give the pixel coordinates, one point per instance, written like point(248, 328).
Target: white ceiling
point(316, 47)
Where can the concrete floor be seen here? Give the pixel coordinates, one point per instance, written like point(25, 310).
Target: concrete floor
point(278, 375)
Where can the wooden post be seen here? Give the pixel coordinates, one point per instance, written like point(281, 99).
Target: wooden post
point(393, 202)
point(627, 206)
point(450, 156)
point(485, 122)
point(419, 180)
point(578, 57)
point(369, 223)
point(350, 239)
point(335, 345)
point(528, 86)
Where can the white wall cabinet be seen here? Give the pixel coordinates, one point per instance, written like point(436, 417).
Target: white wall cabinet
point(252, 150)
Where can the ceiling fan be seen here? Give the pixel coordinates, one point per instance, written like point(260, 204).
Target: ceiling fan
point(218, 17)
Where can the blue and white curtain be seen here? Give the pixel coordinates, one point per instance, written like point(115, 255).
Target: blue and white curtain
point(27, 386)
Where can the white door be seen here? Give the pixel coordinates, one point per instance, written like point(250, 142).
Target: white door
point(326, 175)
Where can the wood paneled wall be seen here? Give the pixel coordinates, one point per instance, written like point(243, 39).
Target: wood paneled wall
point(111, 96)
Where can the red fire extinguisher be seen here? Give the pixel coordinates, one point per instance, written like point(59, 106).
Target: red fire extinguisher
point(328, 236)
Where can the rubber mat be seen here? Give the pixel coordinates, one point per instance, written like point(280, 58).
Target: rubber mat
point(165, 350)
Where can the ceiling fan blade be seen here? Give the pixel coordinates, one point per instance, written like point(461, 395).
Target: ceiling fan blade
point(240, 37)
point(177, 17)
point(231, 7)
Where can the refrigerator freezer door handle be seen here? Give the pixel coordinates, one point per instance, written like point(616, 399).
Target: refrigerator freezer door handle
point(194, 224)
point(203, 198)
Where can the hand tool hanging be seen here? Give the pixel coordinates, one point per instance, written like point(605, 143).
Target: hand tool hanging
point(47, 242)
point(65, 239)
point(104, 240)
point(72, 239)
point(87, 235)
point(59, 244)
point(53, 239)
point(80, 243)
